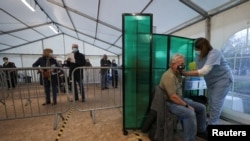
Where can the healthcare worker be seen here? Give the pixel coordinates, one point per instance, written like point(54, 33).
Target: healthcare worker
point(211, 64)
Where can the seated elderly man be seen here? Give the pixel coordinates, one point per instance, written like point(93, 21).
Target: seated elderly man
point(192, 114)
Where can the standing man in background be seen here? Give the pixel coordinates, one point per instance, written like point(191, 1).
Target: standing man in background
point(104, 71)
point(74, 60)
point(11, 74)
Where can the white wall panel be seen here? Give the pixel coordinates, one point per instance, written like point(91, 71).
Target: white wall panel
point(28, 60)
point(194, 31)
point(91, 50)
point(32, 48)
point(55, 43)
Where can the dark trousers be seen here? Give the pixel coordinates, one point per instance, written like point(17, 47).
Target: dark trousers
point(114, 80)
point(11, 83)
point(48, 84)
point(104, 80)
point(80, 83)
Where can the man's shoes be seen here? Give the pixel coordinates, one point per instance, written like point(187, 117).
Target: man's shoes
point(83, 100)
point(105, 88)
point(53, 104)
point(202, 135)
point(46, 103)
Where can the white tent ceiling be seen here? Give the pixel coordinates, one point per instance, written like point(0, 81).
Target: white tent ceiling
point(97, 22)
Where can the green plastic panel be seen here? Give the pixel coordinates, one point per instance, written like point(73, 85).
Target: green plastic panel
point(137, 30)
point(145, 58)
point(163, 47)
point(182, 46)
point(159, 57)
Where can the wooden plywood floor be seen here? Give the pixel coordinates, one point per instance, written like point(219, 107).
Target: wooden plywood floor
point(79, 127)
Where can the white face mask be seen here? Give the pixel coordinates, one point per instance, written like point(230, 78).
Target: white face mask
point(50, 54)
point(75, 49)
point(197, 52)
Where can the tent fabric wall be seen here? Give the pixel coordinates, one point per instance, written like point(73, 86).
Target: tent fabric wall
point(25, 55)
point(193, 31)
point(223, 25)
point(93, 22)
point(229, 22)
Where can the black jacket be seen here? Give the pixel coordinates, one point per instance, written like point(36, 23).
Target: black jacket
point(12, 73)
point(105, 63)
point(42, 62)
point(79, 62)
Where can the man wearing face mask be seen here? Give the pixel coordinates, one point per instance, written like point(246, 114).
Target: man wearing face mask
point(104, 71)
point(48, 77)
point(191, 113)
point(211, 64)
point(76, 59)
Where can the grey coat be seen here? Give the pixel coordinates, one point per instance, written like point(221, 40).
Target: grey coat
point(166, 122)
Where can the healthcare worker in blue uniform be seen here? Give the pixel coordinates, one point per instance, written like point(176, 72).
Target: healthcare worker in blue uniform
point(211, 64)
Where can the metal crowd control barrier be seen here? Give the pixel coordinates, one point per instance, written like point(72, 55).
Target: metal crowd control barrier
point(22, 94)
point(3, 84)
point(97, 98)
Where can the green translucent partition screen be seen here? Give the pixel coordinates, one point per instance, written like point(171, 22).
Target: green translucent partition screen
point(163, 47)
point(159, 57)
point(182, 46)
point(137, 31)
point(145, 58)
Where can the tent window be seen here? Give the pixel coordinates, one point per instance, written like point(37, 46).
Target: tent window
point(237, 52)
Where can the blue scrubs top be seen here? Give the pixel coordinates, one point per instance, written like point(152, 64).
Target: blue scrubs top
point(220, 74)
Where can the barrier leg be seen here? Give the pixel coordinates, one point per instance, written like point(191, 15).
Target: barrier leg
point(56, 120)
point(92, 115)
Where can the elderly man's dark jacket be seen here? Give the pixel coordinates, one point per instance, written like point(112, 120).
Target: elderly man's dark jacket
point(79, 62)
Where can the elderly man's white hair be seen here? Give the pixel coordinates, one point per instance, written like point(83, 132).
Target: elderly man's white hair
point(175, 57)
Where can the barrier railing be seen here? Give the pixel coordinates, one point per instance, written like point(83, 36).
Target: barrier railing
point(22, 93)
point(97, 98)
